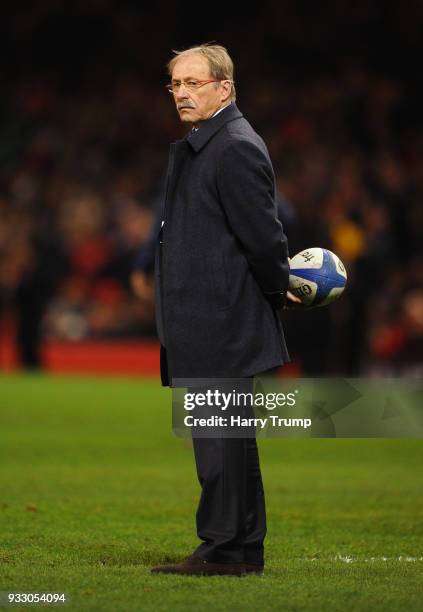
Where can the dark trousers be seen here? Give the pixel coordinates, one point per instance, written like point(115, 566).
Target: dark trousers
point(231, 515)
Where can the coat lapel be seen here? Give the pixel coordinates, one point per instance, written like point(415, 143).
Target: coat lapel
point(208, 128)
point(179, 150)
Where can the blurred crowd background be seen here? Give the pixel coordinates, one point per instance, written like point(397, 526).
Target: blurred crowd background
point(86, 122)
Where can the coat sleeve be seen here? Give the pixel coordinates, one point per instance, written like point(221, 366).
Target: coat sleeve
point(247, 192)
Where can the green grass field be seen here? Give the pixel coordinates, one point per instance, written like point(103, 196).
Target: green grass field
point(94, 489)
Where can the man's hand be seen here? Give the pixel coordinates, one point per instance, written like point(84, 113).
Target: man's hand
point(291, 301)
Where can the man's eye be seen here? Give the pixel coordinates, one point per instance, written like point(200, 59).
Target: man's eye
point(192, 83)
point(176, 84)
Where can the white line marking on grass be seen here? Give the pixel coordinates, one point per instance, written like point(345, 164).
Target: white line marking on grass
point(349, 559)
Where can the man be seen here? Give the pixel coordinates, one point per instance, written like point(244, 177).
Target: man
point(221, 276)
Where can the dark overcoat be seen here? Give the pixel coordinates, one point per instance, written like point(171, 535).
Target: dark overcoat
point(221, 266)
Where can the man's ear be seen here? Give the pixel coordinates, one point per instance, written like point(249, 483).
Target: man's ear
point(226, 90)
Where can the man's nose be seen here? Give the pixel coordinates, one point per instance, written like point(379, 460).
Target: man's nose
point(182, 93)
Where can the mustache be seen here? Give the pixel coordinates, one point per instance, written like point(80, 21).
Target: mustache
point(185, 105)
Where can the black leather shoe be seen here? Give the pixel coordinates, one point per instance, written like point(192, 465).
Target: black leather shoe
point(194, 566)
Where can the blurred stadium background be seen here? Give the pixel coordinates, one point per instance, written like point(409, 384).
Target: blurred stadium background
point(86, 123)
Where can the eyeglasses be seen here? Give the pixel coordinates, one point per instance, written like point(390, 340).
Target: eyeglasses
point(191, 85)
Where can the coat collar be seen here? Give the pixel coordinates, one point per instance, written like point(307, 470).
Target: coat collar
point(208, 128)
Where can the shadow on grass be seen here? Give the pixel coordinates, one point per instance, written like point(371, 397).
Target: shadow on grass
point(115, 555)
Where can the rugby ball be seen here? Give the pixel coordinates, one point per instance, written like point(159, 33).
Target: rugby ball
point(317, 276)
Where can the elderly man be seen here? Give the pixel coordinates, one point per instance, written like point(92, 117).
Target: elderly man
point(221, 277)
